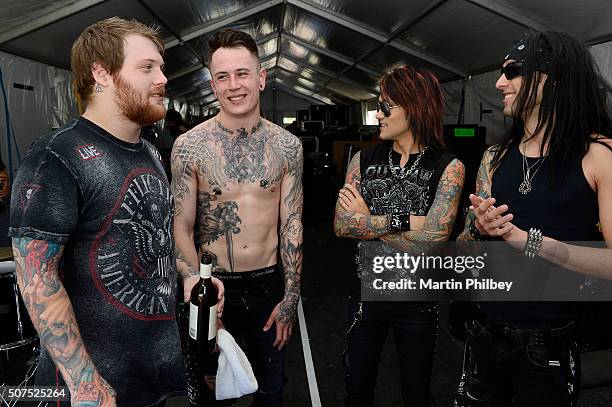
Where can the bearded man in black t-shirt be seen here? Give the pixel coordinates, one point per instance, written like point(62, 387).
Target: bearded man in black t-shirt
point(91, 224)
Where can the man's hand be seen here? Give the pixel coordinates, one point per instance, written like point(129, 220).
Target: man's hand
point(283, 314)
point(188, 284)
point(93, 392)
point(490, 220)
point(351, 200)
point(220, 295)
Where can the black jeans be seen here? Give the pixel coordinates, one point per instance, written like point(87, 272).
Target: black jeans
point(511, 370)
point(250, 298)
point(414, 327)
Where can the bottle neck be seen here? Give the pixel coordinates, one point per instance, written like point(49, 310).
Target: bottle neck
point(205, 270)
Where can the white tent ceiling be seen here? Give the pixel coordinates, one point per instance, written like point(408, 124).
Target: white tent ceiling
point(332, 51)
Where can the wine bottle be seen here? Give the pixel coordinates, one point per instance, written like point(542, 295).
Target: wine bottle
point(202, 329)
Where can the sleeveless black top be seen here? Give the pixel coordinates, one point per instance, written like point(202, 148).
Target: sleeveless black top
point(385, 193)
point(566, 211)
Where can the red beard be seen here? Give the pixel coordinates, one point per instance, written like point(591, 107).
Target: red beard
point(135, 107)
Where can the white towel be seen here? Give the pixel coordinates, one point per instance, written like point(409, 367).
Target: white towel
point(235, 376)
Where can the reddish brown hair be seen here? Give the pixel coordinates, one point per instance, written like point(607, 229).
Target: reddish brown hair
point(103, 42)
point(418, 92)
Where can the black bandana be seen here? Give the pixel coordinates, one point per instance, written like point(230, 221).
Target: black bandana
point(521, 51)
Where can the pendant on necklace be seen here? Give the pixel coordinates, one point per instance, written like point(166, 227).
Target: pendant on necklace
point(525, 187)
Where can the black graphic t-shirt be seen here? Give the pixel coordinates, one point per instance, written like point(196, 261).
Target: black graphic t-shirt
point(411, 193)
point(109, 203)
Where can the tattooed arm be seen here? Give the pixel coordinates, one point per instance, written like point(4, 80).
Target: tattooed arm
point(441, 216)
point(184, 189)
point(51, 312)
point(290, 240)
point(357, 224)
point(483, 189)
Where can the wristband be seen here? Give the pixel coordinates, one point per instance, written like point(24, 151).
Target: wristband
point(475, 233)
point(398, 222)
point(533, 244)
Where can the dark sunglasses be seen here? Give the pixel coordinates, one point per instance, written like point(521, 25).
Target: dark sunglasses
point(513, 70)
point(385, 107)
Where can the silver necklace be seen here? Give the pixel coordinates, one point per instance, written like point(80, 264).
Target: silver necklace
point(412, 167)
point(525, 186)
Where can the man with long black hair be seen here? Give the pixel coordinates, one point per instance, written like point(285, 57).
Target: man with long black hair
point(547, 181)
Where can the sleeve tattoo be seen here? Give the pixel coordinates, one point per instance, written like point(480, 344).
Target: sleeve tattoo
point(50, 310)
point(291, 228)
point(353, 224)
point(483, 189)
point(185, 154)
point(442, 214)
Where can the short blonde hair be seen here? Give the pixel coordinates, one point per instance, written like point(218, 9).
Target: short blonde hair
point(103, 42)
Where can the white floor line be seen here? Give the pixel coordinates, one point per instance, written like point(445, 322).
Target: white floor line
point(310, 371)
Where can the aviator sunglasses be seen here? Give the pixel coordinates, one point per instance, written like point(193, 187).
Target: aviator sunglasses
point(512, 70)
point(385, 107)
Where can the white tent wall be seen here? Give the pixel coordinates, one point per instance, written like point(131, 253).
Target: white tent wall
point(481, 89)
point(47, 102)
point(602, 54)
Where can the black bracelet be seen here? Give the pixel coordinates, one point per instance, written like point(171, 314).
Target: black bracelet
point(475, 233)
point(398, 222)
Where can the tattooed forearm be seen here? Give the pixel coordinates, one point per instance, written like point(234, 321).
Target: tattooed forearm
point(442, 214)
point(291, 251)
point(483, 189)
point(50, 309)
point(291, 228)
point(182, 264)
point(353, 224)
point(356, 225)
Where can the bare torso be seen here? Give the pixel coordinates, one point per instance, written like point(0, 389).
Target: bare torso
point(239, 177)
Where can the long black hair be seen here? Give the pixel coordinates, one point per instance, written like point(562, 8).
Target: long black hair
point(572, 111)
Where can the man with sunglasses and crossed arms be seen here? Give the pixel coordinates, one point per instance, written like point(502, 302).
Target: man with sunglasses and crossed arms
point(402, 191)
point(521, 353)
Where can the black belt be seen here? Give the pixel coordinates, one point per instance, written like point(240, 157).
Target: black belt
point(542, 337)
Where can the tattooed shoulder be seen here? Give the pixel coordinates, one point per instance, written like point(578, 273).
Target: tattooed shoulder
point(288, 146)
point(192, 146)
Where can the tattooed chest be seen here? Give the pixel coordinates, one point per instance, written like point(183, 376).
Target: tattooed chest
point(243, 160)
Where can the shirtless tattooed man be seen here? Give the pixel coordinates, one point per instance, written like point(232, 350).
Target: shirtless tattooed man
point(237, 178)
